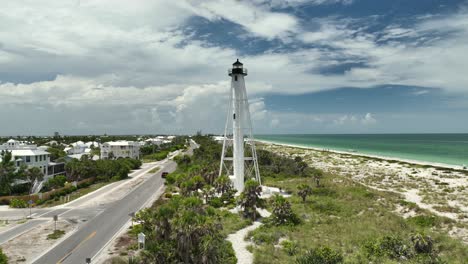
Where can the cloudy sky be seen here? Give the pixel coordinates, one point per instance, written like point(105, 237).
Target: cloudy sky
point(149, 66)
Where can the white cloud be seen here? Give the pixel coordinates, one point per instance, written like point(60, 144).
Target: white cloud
point(368, 119)
point(425, 59)
point(288, 3)
point(73, 59)
point(350, 119)
point(259, 21)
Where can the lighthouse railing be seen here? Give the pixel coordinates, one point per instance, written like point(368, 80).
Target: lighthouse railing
point(238, 71)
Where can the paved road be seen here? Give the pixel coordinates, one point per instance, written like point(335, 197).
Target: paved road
point(70, 211)
point(92, 236)
point(17, 230)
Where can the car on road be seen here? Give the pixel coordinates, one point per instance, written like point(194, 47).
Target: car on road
point(164, 174)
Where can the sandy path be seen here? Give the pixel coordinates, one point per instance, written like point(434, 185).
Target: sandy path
point(240, 245)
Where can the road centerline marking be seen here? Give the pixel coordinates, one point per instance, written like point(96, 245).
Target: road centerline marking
point(71, 251)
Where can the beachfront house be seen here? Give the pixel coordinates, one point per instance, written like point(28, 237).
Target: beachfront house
point(120, 149)
point(30, 155)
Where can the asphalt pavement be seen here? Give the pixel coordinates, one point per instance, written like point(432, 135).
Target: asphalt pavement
point(94, 235)
point(20, 229)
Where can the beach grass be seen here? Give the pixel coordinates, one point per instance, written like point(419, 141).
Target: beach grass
point(346, 216)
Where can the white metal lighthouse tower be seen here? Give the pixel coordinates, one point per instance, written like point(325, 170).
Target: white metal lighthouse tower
point(241, 140)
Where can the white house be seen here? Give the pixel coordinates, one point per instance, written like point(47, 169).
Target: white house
point(80, 147)
point(29, 155)
point(120, 149)
point(92, 144)
point(154, 141)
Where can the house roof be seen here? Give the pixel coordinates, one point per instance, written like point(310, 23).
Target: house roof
point(28, 152)
point(120, 143)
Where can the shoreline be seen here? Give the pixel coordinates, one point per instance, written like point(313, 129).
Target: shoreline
point(358, 154)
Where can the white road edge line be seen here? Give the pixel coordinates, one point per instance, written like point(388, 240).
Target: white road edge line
point(24, 231)
point(98, 255)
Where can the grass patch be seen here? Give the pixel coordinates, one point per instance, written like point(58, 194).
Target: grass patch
point(56, 234)
point(156, 169)
point(232, 222)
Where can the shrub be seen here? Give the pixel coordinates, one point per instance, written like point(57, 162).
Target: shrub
point(216, 202)
point(389, 246)
point(265, 236)
point(282, 213)
point(55, 182)
point(321, 255)
point(20, 189)
point(18, 203)
point(290, 247)
point(170, 179)
point(422, 243)
point(3, 258)
point(56, 234)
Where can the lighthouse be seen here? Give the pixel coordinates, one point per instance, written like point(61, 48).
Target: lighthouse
point(238, 135)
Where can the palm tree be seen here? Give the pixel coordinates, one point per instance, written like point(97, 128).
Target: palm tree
point(33, 174)
point(223, 184)
point(304, 191)
point(282, 212)
point(318, 175)
point(250, 199)
point(422, 243)
point(208, 192)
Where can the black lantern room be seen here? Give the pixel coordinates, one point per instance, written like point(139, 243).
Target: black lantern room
point(237, 68)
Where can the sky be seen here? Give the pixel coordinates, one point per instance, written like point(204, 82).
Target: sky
point(160, 67)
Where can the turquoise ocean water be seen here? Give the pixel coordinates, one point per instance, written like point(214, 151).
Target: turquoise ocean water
point(451, 149)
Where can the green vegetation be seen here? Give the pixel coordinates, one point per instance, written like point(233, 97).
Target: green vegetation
point(154, 170)
point(85, 172)
point(282, 213)
point(3, 257)
point(249, 200)
point(321, 255)
point(159, 152)
point(56, 234)
point(56, 153)
point(187, 228)
point(304, 190)
point(8, 173)
point(184, 230)
point(55, 182)
point(357, 225)
point(17, 203)
point(103, 170)
point(335, 221)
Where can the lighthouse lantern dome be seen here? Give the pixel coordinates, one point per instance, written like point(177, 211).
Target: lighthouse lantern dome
point(237, 68)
